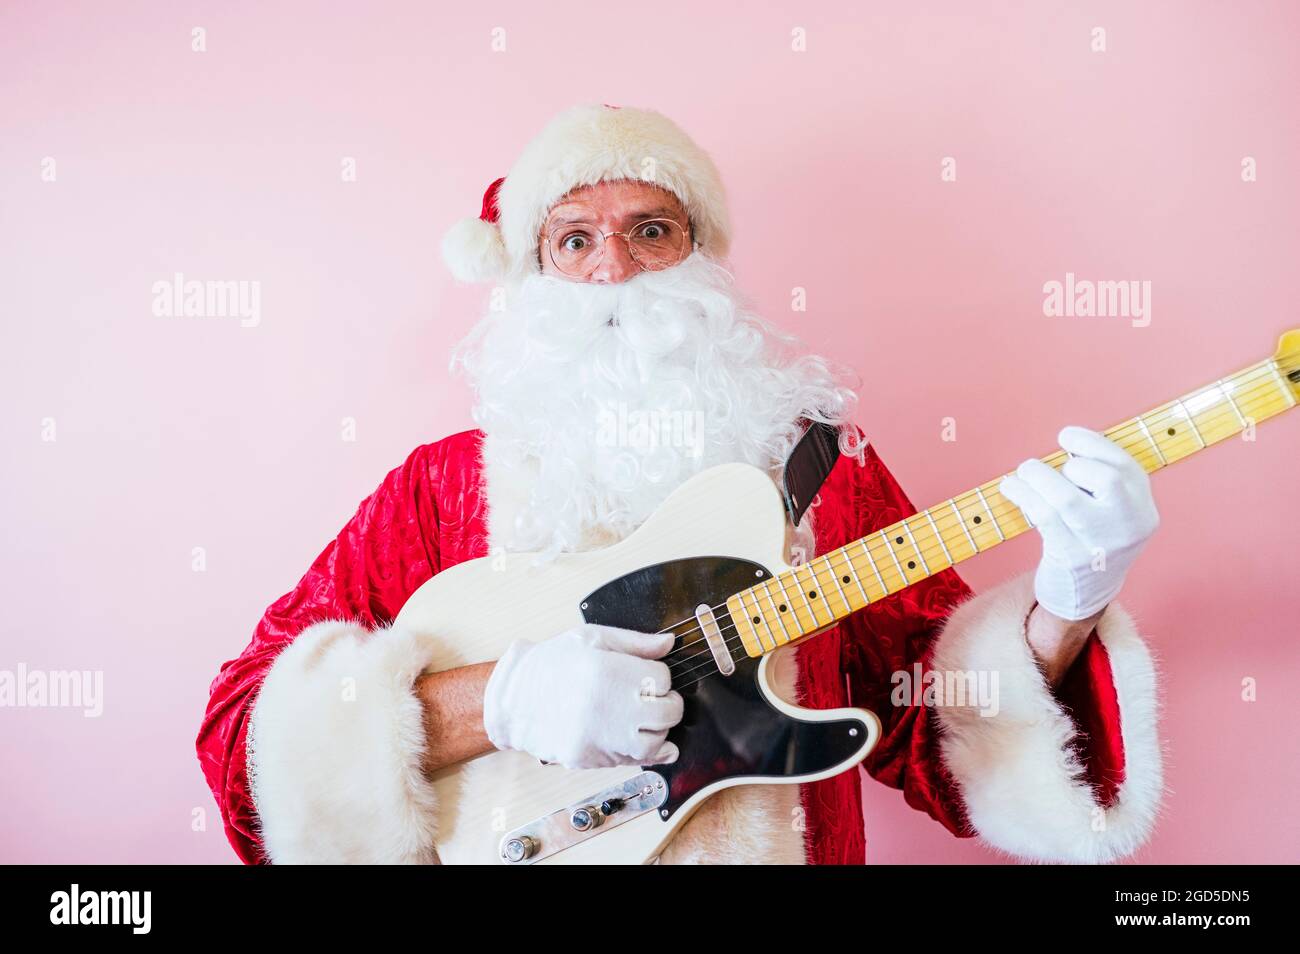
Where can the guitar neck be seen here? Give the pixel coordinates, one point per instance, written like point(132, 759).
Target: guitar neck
point(816, 594)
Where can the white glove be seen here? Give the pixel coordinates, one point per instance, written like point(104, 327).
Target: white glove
point(1095, 514)
point(591, 697)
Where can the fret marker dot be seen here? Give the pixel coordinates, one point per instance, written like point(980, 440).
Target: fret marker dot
point(846, 579)
point(781, 607)
point(911, 564)
point(977, 519)
point(898, 540)
point(1171, 432)
point(757, 621)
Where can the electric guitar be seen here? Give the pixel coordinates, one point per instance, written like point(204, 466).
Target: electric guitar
point(709, 566)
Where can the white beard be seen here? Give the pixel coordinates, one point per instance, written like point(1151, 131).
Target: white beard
point(598, 400)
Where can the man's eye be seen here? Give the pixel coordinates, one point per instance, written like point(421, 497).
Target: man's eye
point(653, 232)
point(575, 243)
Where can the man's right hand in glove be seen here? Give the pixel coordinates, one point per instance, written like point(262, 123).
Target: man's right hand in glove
point(591, 697)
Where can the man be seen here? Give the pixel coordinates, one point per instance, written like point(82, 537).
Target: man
point(606, 235)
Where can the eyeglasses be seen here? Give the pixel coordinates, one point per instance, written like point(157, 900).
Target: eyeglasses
point(655, 244)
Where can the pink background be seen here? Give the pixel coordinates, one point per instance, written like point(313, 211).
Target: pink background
point(177, 433)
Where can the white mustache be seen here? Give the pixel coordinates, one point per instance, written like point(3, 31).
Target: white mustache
point(643, 311)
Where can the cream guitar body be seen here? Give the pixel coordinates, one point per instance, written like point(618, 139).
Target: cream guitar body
point(708, 540)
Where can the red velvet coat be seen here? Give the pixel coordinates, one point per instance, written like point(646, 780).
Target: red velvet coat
point(429, 514)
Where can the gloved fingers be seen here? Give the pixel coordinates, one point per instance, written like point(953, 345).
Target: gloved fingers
point(660, 713)
point(648, 677)
point(1041, 514)
point(658, 752)
point(1082, 442)
point(1102, 479)
point(1064, 497)
point(644, 645)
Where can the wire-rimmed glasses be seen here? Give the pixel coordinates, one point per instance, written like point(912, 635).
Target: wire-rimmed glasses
point(577, 249)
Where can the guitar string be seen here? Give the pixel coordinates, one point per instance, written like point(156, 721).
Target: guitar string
point(1128, 429)
point(681, 667)
point(931, 550)
point(707, 668)
point(829, 563)
point(705, 664)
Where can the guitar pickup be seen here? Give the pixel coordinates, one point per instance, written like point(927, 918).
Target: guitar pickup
point(713, 636)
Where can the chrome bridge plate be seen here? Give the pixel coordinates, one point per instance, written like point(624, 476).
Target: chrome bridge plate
point(584, 819)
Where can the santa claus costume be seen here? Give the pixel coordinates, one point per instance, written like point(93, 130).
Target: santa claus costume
point(1063, 772)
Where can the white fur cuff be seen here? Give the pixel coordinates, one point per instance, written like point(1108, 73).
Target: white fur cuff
point(1021, 781)
point(335, 746)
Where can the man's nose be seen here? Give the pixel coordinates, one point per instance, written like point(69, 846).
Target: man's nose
point(616, 265)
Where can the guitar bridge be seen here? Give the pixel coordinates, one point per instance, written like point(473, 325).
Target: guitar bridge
point(569, 826)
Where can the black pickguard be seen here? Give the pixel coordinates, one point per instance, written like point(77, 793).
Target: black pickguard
point(729, 730)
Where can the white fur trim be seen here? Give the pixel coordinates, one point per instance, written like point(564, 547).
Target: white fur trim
point(590, 144)
point(474, 251)
point(507, 492)
point(1020, 779)
point(335, 747)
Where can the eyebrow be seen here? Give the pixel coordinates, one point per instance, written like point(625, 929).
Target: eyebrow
point(660, 212)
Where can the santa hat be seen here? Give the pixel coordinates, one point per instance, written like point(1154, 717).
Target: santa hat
point(583, 146)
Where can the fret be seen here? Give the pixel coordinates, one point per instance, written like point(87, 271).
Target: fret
point(744, 625)
point(1217, 414)
point(1281, 383)
point(1227, 393)
point(786, 601)
point(1192, 421)
point(1130, 438)
point(780, 617)
point(874, 569)
point(976, 521)
point(919, 555)
point(807, 596)
point(835, 578)
point(992, 519)
point(935, 527)
point(1014, 509)
point(890, 548)
point(753, 625)
point(1266, 398)
point(1156, 447)
point(1176, 441)
point(1012, 520)
point(762, 614)
point(853, 572)
point(962, 523)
